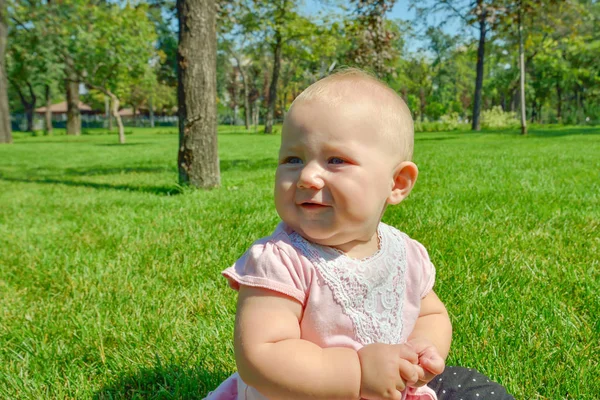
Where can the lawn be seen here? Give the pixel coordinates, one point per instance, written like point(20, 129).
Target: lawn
point(109, 271)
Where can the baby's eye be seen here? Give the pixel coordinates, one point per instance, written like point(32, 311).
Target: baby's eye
point(336, 160)
point(292, 160)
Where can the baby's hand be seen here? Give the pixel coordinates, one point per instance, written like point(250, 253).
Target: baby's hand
point(386, 370)
point(430, 361)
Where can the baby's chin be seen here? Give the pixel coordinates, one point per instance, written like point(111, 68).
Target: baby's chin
point(318, 235)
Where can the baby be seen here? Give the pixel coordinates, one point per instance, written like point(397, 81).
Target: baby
point(336, 304)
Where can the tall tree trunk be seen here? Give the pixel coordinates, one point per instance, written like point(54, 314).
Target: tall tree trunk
point(29, 106)
point(73, 113)
point(48, 111)
point(198, 159)
point(266, 85)
point(115, 102)
point(5, 128)
point(273, 87)
point(246, 98)
point(476, 123)
point(522, 75)
point(255, 116)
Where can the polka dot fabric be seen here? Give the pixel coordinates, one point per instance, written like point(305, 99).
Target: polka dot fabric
point(458, 383)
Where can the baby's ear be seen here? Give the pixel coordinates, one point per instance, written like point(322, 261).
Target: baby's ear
point(405, 177)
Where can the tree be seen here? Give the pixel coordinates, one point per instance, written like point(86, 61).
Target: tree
point(5, 129)
point(279, 23)
point(122, 42)
point(522, 69)
point(281, 8)
point(23, 64)
point(483, 14)
point(197, 160)
point(373, 39)
point(420, 73)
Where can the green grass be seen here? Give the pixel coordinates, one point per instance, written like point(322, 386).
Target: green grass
point(109, 271)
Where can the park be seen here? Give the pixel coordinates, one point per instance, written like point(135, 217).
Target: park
point(111, 250)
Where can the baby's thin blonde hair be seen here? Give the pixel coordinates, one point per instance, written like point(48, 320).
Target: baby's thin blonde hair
point(357, 85)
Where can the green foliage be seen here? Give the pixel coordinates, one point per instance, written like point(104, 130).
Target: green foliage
point(497, 118)
point(122, 42)
point(130, 48)
point(109, 272)
point(33, 54)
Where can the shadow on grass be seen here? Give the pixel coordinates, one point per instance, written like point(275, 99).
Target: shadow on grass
point(163, 382)
point(122, 144)
point(159, 190)
point(70, 140)
point(425, 139)
point(116, 171)
point(564, 131)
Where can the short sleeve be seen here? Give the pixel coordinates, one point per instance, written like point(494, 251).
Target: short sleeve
point(268, 266)
point(424, 266)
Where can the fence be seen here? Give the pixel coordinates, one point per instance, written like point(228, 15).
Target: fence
point(19, 121)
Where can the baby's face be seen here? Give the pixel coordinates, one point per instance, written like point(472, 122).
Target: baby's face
point(335, 172)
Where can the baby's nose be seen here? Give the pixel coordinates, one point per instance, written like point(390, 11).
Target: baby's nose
point(311, 176)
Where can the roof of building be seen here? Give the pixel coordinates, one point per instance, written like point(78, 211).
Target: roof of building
point(62, 108)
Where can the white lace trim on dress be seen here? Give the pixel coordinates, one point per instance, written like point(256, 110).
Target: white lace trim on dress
point(370, 291)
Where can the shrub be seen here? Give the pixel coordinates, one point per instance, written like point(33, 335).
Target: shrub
point(497, 118)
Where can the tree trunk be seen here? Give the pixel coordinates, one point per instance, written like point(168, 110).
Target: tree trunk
point(29, 106)
point(48, 111)
point(73, 113)
point(5, 128)
point(283, 100)
point(476, 124)
point(273, 87)
point(114, 101)
point(246, 98)
point(522, 73)
point(255, 116)
point(198, 159)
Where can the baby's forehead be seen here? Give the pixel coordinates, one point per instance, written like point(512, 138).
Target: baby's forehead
point(350, 89)
point(385, 112)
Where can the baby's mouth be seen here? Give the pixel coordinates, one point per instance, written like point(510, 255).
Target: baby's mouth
point(312, 206)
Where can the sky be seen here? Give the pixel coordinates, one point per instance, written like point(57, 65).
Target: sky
point(400, 11)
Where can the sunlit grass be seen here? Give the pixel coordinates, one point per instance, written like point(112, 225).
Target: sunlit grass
point(109, 271)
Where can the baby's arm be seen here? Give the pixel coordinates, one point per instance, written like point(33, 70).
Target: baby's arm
point(431, 337)
point(272, 358)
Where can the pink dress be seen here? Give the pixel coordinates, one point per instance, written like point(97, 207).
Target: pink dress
point(346, 302)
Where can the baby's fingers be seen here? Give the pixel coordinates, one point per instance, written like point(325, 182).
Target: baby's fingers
point(409, 374)
point(433, 363)
point(407, 353)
